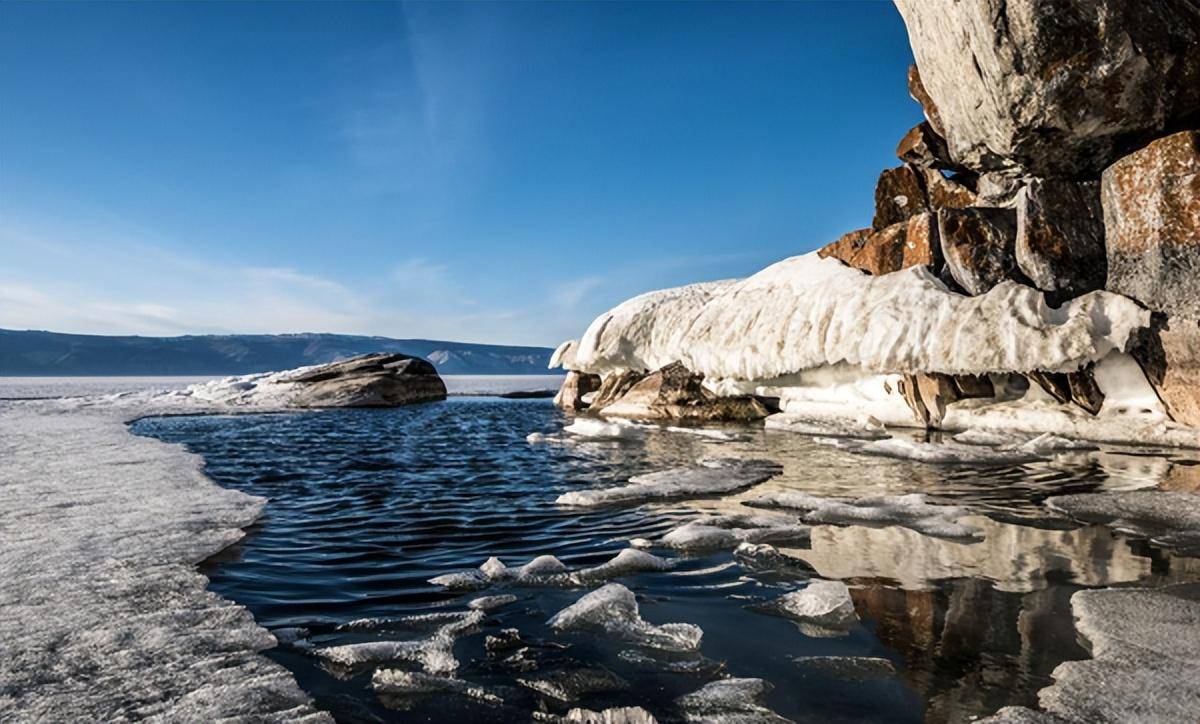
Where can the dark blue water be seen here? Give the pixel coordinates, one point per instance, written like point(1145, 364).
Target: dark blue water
point(367, 505)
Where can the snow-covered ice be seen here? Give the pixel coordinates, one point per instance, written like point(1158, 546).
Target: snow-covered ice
point(102, 531)
point(728, 531)
point(613, 610)
point(591, 427)
point(398, 682)
point(908, 511)
point(710, 477)
point(434, 653)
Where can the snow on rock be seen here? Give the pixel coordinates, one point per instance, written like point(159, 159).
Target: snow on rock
point(1145, 664)
point(564, 355)
point(807, 312)
point(101, 534)
point(908, 511)
point(728, 531)
point(613, 610)
point(823, 607)
point(729, 701)
point(1166, 518)
point(714, 476)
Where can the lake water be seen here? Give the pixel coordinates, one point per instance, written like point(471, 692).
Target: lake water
point(367, 505)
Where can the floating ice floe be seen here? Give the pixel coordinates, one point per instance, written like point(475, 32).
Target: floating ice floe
point(766, 557)
point(614, 715)
point(848, 668)
point(729, 701)
point(907, 511)
point(434, 653)
point(822, 608)
point(613, 610)
point(397, 682)
point(487, 603)
point(549, 571)
point(692, 664)
point(594, 428)
point(1145, 664)
point(710, 477)
point(728, 531)
point(569, 685)
point(1165, 517)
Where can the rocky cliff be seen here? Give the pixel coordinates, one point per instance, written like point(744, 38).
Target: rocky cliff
point(1033, 262)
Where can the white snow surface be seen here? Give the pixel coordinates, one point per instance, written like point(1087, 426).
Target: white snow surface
point(806, 312)
point(101, 534)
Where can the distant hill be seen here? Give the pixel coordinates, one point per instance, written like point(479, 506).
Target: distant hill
point(50, 353)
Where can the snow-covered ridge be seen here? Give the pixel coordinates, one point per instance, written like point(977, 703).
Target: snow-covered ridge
point(807, 312)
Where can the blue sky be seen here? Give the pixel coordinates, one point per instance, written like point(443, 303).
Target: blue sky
point(483, 172)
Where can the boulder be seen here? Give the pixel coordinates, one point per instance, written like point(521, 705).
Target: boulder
point(371, 380)
point(1056, 87)
point(1060, 237)
point(675, 393)
point(1169, 353)
point(574, 387)
point(916, 89)
point(923, 147)
point(899, 246)
point(999, 188)
point(899, 194)
point(613, 387)
point(946, 193)
point(977, 245)
point(1151, 201)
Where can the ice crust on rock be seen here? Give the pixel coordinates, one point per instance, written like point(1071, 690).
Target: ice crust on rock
point(729, 701)
point(710, 477)
point(908, 511)
point(613, 610)
point(1165, 517)
point(807, 312)
point(823, 607)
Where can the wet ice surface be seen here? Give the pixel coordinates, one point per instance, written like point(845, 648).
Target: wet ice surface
point(367, 507)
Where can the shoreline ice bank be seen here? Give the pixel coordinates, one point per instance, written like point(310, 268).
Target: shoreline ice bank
point(841, 349)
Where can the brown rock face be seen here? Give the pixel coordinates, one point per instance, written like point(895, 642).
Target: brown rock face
point(923, 147)
point(899, 194)
point(614, 386)
point(916, 89)
point(899, 246)
point(675, 393)
point(372, 380)
point(944, 193)
point(1169, 353)
point(977, 245)
point(1151, 201)
point(574, 387)
point(1079, 387)
point(1060, 237)
point(1057, 87)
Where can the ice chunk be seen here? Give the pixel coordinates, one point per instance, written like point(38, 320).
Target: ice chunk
point(848, 668)
point(627, 561)
point(728, 701)
point(728, 531)
point(487, 603)
point(493, 569)
point(908, 511)
point(544, 565)
point(410, 683)
point(823, 607)
point(601, 430)
point(615, 715)
point(290, 636)
point(434, 653)
point(613, 610)
point(711, 477)
point(569, 685)
point(1165, 517)
point(763, 556)
point(807, 312)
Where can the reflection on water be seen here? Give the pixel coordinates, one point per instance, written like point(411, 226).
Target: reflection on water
point(366, 506)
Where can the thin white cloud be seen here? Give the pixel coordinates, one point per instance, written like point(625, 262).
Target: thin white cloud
point(569, 294)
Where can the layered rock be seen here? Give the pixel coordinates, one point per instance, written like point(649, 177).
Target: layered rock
point(1151, 202)
point(1055, 87)
point(676, 394)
